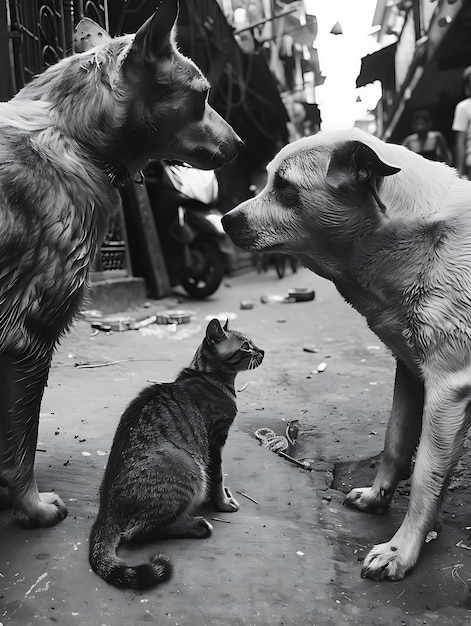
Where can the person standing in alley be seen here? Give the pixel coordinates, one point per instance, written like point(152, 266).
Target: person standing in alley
point(462, 127)
point(431, 144)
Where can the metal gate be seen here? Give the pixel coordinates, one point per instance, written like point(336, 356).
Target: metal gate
point(41, 33)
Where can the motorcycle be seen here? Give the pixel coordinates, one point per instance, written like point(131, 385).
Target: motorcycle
point(196, 248)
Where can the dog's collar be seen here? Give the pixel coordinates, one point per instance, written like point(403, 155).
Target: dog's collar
point(120, 176)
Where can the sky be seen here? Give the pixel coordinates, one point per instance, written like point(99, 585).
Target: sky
point(340, 59)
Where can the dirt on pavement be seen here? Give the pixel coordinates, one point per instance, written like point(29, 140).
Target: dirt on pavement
point(292, 554)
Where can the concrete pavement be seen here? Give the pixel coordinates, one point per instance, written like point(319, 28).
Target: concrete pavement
point(290, 555)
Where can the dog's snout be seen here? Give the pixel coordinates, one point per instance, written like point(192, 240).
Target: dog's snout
point(235, 225)
point(234, 146)
point(228, 221)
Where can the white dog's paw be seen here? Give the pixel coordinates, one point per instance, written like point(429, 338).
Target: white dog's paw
point(367, 499)
point(387, 561)
point(46, 511)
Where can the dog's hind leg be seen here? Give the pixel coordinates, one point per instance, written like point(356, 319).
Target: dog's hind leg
point(22, 382)
point(446, 420)
point(402, 435)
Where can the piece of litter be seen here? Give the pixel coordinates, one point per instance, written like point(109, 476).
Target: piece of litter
point(299, 553)
point(271, 440)
point(86, 453)
point(218, 519)
point(101, 364)
point(291, 459)
point(301, 294)
point(174, 317)
point(292, 430)
point(460, 544)
point(270, 299)
point(241, 493)
point(321, 367)
point(310, 349)
point(101, 453)
point(431, 536)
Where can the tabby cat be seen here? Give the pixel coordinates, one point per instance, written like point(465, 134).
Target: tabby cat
point(165, 460)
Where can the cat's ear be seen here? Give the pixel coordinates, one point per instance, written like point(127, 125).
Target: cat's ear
point(214, 331)
point(226, 325)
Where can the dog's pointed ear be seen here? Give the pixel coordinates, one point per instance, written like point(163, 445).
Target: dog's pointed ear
point(214, 331)
point(154, 36)
point(88, 34)
point(354, 163)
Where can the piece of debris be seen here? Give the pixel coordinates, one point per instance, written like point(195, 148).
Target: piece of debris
point(174, 317)
point(246, 304)
point(301, 294)
point(321, 367)
point(292, 430)
point(270, 440)
point(278, 444)
point(241, 493)
point(272, 299)
point(431, 536)
point(101, 326)
point(101, 363)
point(310, 349)
point(291, 459)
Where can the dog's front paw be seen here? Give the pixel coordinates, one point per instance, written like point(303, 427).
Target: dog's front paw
point(226, 502)
point(46, 511)
point(367, 499)
point(387, 561)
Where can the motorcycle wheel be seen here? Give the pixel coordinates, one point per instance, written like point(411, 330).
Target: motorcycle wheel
point(205, 275)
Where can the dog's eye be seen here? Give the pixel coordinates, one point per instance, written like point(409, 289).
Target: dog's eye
point(281, 183)
point(287, 190)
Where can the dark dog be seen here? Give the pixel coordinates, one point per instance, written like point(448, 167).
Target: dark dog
point(393, 232)
point(83, 127)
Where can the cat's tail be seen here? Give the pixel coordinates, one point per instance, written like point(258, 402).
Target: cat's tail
point(104, 543)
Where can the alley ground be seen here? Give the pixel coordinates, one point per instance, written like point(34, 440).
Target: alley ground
point(292, 554)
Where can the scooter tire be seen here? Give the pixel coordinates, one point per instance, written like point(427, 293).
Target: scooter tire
point(204, 283)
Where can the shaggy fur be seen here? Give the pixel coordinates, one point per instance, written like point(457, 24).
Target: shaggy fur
point(393, 232)
point(86, 124)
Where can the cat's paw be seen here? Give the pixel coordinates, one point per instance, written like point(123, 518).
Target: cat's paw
point(225, 502)
point(200, 528)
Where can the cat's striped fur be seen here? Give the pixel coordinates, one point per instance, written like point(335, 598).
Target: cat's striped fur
point(165, 460)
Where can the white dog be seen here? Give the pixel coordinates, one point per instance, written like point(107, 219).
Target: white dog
point(393, 232)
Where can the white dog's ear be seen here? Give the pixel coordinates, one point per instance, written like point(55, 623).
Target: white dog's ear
point(354, 163)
